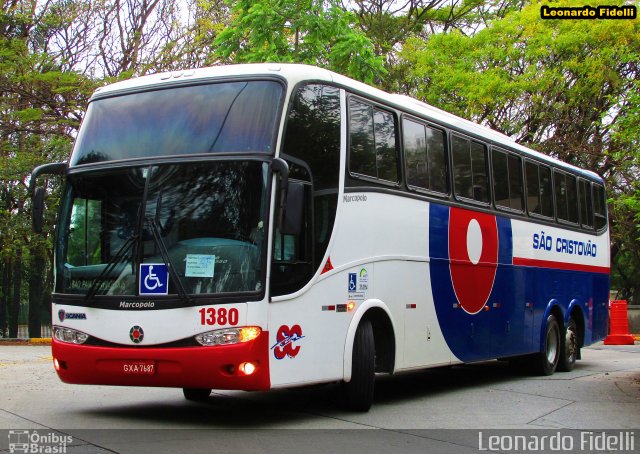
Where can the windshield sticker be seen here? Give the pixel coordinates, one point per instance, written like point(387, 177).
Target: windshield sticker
point(200, 265)
point(154, 279)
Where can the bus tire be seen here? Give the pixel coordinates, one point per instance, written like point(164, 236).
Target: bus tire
point(546, 361)
point(358, 393)
point(196, 394)
point(569, 351)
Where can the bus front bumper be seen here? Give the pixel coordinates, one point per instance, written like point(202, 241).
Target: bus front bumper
point(218, 367)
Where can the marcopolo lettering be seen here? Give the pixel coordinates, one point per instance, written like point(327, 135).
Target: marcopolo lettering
point(137, 304)
point(348, 198)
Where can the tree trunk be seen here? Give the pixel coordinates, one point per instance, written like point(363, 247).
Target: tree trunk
point(14, 306)
point(5, 295)
point(36, 284)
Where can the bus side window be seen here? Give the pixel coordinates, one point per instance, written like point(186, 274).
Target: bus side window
point(600, 206)
point(572, 199)
point(470, 169)
point(546, 195)
point(566, 197)
point(507, 179)
point(373, 150)
point(586, 204)
point(539, 195)
point(560, 187)
point(425, 157)
point(533, 188)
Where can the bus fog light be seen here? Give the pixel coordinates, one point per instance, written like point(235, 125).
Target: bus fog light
point(56, 364)
point(228, 336)
point(247, 368)
point(70, 336)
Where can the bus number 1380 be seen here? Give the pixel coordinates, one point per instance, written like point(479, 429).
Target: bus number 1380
point(210, 316)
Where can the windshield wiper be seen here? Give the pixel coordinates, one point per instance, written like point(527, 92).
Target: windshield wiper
point(111, 266)
point(157, 238)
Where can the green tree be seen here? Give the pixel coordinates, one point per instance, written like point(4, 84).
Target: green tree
point(568, 88)
point(309, 31)
point(39, 104)
point(390, 23)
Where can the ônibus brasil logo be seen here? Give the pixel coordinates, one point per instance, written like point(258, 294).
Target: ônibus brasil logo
point(136, 334)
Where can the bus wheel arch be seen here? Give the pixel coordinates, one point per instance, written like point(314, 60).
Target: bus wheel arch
point(383, 335)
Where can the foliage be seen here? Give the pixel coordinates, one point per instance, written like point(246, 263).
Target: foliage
point(291, 31)
point(566, 87)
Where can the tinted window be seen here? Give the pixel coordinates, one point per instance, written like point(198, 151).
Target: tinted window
point(515, 182)
point(470, 169)
point(206, 220)
point(507, 179)
point(362, 158)
point(572, 199)
point(500, 164)
point(463, 182)
point(546, 194)
point(586, 204)
point(214, 118)
point(312, 134)
point(539, 195)
point(373, 150)
point(566, 197)
point(312, 148)
point(600, 206)
point(425, 156)
point(560, 186)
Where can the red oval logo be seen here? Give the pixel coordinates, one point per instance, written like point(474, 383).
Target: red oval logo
point(473, 255)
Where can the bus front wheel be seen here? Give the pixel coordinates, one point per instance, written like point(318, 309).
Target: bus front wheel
point(196, 394)
point(546, 361)
point(358, 393)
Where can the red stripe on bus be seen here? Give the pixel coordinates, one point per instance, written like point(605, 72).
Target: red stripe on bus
point(520, 261)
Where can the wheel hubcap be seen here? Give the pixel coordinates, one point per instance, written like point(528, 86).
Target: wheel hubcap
point(552, 347)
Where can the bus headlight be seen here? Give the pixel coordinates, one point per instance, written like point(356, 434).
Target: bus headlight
point(68, 335)
point(228, 336)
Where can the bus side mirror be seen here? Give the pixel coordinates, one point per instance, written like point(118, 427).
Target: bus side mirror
point(38, 209)
point(38, 193)
point(293, 210)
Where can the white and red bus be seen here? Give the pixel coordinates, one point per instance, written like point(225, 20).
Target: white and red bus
point(265, 226)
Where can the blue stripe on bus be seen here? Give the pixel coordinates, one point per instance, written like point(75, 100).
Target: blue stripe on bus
point(512, 321)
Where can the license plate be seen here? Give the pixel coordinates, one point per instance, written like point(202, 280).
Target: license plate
point(138, 367)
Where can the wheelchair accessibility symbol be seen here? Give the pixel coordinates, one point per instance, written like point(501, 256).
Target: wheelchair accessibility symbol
point(154, 279)
point(353, 282)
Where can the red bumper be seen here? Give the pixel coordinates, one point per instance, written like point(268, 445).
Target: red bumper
point(189, 367)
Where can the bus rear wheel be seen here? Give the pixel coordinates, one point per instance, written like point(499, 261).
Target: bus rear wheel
point(196, 394)
point(569, 353)
point(546, 361)
point(358, 393)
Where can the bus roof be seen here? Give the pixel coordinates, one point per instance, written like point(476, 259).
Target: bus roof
point(295, 73)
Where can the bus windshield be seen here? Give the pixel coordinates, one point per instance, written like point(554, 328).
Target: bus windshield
point(203, 220)
point(212, 118)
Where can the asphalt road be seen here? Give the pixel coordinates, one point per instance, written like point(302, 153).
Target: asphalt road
point(447, 410)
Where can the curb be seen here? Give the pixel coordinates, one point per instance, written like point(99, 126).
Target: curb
point(31, 341)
